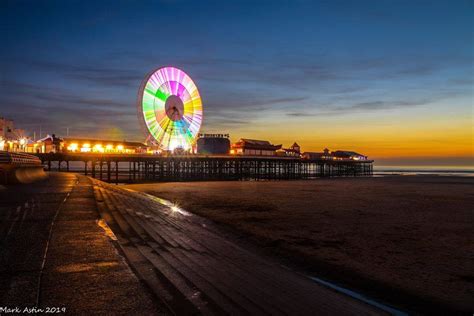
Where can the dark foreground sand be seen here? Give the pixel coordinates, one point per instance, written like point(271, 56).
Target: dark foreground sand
point(408, 240)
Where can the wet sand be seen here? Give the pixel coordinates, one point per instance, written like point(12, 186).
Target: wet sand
point(407, 240)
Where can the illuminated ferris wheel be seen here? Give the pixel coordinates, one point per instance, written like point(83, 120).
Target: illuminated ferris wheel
point(169, 107)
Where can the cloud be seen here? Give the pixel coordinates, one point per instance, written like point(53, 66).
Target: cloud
point(371, 106)
point(383, 105)
point(108, 76)
point(235, 91)
point(55, 97)
point(300, 114)
point(462, 81)
point(54, 110)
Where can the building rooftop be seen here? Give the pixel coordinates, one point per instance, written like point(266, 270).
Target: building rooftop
point(346, 153)
point(255, 141)
point(113, 142)
point(256, 144)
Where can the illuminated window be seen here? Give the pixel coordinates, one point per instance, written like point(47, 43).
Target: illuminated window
point(98, 148)
point(86, 148)
point(72, 147)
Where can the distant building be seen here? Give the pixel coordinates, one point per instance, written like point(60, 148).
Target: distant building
point(343, 154)
point(335, 155)
point(253, 147)
point(311, 155)
point(293, 151)
point(49, 144)
point(11, 138)
point(213, 144)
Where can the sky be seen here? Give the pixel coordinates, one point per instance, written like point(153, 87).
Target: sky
point(389, 79)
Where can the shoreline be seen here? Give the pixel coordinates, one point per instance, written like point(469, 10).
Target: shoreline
point(329, 257)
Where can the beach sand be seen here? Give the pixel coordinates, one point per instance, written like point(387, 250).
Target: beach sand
point(406, 240)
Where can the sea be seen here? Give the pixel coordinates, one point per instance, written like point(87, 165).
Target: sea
point(460, 171)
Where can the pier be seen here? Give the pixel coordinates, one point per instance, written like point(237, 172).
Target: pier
point(141, 168)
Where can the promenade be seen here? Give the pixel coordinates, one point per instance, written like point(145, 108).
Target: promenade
point(180, 265)
point(53, 253)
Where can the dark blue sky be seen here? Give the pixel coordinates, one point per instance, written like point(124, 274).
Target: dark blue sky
point(261, 67)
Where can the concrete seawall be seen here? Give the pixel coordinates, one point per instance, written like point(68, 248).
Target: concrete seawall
point(20, 168)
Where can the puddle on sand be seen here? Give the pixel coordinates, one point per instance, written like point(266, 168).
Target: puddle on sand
point(360, 297)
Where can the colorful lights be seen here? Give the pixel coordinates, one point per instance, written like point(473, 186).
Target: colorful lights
point(120, 147)
point(170, 106)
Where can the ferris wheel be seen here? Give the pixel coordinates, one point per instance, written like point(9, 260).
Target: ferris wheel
point(170, 109)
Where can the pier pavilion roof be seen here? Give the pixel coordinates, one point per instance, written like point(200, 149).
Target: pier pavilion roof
point(255, 144)
point(347, 154)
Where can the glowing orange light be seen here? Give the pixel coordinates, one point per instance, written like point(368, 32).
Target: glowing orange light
point(72, 147)
point(86, 148)
point(99, 148)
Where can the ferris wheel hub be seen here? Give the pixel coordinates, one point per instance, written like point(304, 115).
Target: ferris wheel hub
point(174, 107)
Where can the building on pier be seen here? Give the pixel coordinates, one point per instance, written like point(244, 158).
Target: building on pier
point(326, 154)
point(312, 155)
point(253, 147)
point(293, 151)
point(344, 154)
point(48, 144)
point(213, 144)
point(88, 145)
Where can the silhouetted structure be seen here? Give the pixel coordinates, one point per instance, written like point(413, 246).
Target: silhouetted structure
point(213, 144)
point(334, 155)
point(254, 147)
point(293, 151)
point(49, 144)
point(343, 154)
